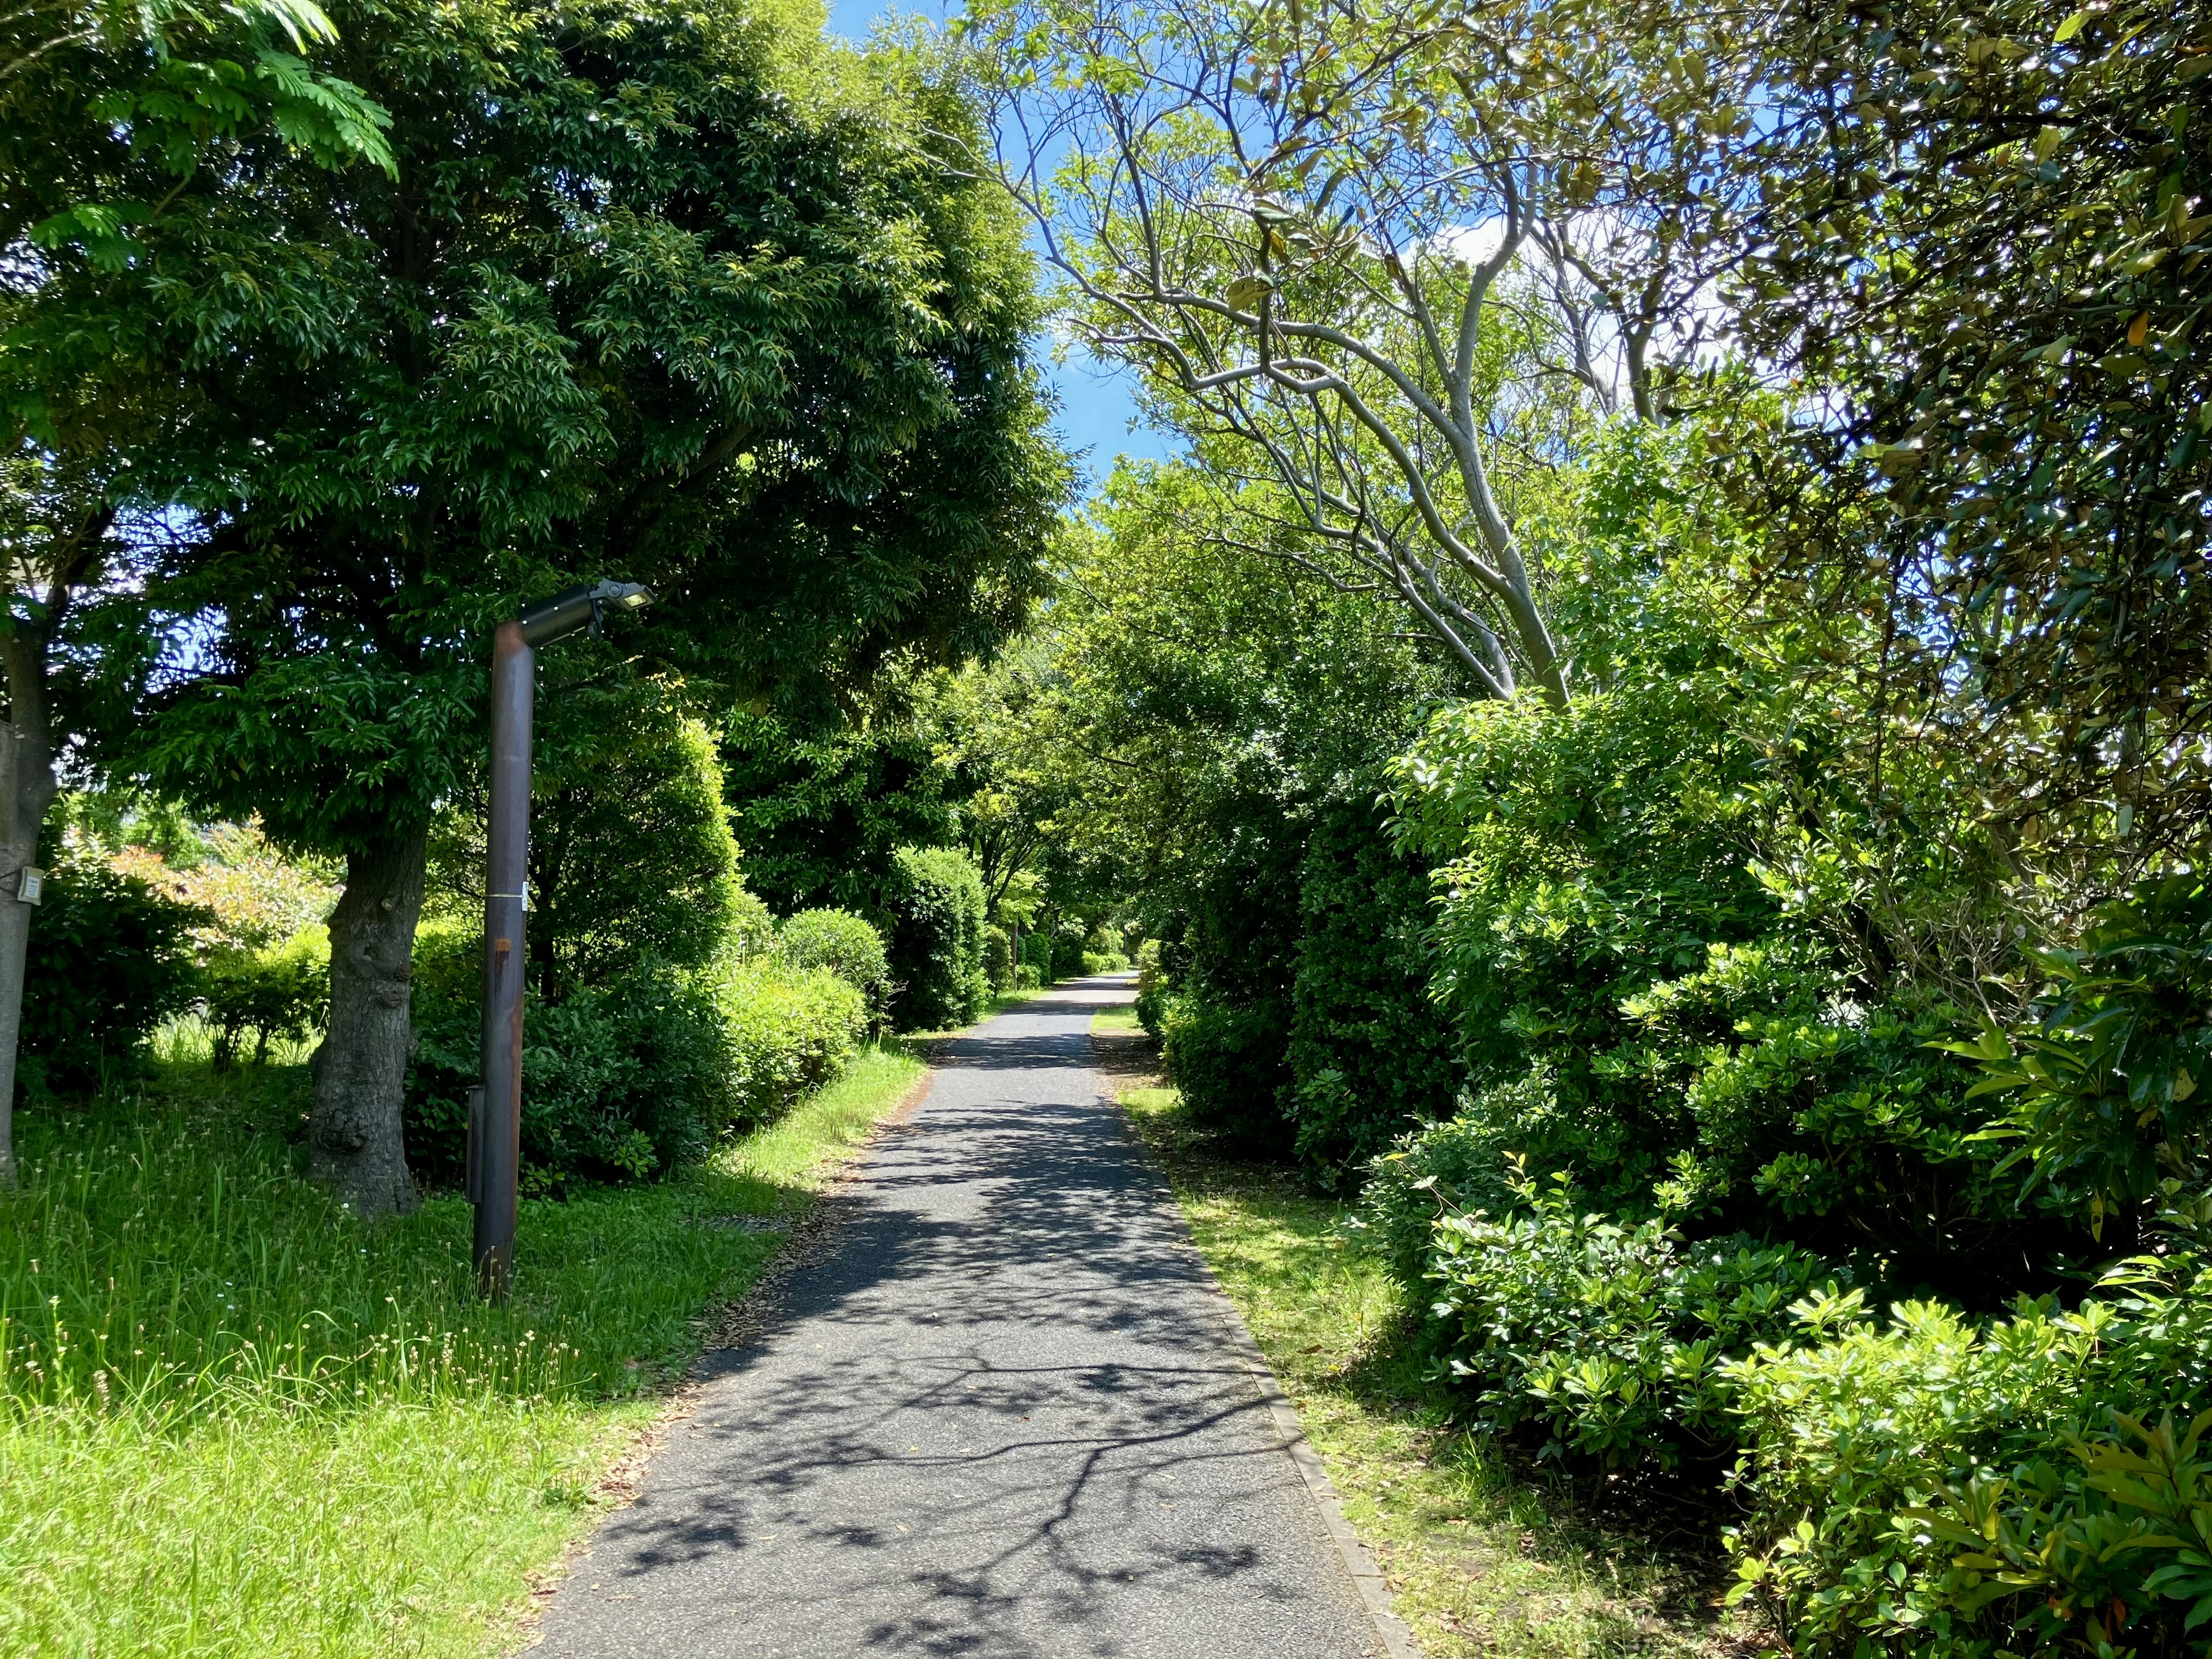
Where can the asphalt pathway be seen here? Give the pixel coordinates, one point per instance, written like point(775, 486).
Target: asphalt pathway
point(999, 1415)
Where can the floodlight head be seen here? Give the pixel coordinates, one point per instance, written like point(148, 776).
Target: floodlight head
point(578, 607)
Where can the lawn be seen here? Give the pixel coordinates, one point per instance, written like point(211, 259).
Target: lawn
point(234, 1420)
point(1483, 1554)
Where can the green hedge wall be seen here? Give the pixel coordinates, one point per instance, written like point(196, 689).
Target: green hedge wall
point(936, 939)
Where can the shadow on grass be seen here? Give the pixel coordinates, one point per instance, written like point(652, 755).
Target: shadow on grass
point(1489, 1550)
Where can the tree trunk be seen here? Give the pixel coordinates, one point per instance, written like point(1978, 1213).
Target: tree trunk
point(355, 1141)
point(26, 790)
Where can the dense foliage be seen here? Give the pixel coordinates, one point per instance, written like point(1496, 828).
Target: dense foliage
point(936, 944)
point(111, 958)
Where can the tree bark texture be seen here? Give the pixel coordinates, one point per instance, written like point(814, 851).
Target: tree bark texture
point(26, 790)
point(354, 1139)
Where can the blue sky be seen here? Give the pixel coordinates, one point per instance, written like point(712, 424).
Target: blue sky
point(1096, 407)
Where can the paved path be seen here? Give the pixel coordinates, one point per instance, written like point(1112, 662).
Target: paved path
point(998, 1417)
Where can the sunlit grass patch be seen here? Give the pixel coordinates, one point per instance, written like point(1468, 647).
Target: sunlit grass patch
point(233, 1420)
point(1109, 1021)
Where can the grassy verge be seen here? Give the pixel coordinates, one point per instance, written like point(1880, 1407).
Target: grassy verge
point(1483, 1558)
point(233, 1420)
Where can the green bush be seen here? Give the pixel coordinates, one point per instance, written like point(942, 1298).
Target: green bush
point(631, 1082)
point(785, 1033)
point(937, 939)
point(621, 1084)
point(997, 957)
point(1465, 1162)
point(1229, 1064)
point(1026, 978)
point(1371, 1052)
point(1611, 1337)
point(2103, 1083)
point(275, 995)
point(1152, 987)
point(1036, 956)
point(631, 856)
point(109, 959)
point(1067, 950)
point(847, 945)
point(1953, 1488)
point(1105, 962)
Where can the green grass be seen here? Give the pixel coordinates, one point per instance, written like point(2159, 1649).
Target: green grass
point(1116, 1021)
point(233, 1420)
point(1482, 1557)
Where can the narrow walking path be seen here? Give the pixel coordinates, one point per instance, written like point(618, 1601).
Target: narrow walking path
point(1000, 1416)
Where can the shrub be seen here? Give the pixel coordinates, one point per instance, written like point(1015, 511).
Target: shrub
point(277, 995)
point(1036, 956)
point(1463, 1163)
point(1105, 962)
point(1950, 1488)
point(1583, 854)
point(937, 939)
point(1026, 978)
point(616, 1085)
point(786, 1032)
point(109, 959)
point(627, 1083)
point(1610, 1337)
point(997, 957)
point(1229, 1064)
point(1152, 987)
point(1370, 1053)
point(631, 856)
point(843, 944)
point(1067, 949)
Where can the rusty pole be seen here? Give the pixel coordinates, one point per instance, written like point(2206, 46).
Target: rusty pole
point(496, 1132)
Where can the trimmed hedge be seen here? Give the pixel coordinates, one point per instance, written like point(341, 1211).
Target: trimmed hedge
point(629, 1083)
point(997, 957)
point(937, 940)
point(788, 1031)
point(614, 1087)
point(1229, 1063)
point(1371, 1053)
point(844, 944)
point(1067, 950)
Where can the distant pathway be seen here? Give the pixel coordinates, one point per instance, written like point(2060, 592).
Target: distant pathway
point(1000, 1416)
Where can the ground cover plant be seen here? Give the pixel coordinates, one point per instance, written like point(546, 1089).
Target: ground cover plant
point(234, 1418)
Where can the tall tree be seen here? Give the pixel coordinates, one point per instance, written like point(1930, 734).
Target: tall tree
point(1985, 236)
point(695, 299)
point(1303, 222)
point(117, 126)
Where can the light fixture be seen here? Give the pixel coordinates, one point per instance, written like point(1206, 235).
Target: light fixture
point(495, 1161)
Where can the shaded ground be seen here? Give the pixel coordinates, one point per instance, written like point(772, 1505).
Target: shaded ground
point(1485, 1554)
point(998, 1417)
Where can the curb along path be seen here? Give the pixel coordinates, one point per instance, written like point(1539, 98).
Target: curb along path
point(1005, 1413)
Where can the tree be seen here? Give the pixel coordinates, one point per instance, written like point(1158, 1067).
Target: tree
point(822, 808)
point(1985, 240)
point(631, 858)
point(1306, 224)
point(691, 299)
point(117, 126)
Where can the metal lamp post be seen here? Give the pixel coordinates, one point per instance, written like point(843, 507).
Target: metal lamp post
point(495, 1106)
